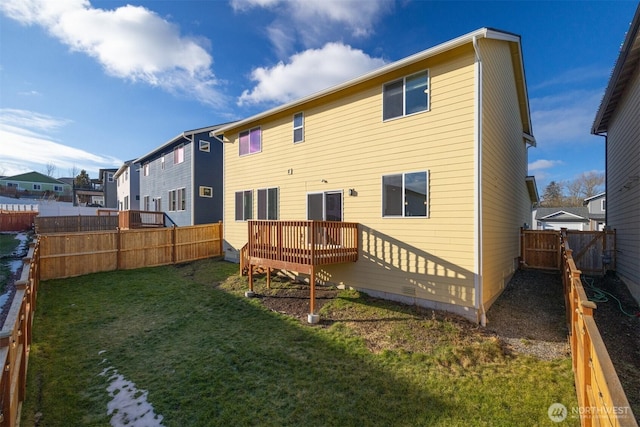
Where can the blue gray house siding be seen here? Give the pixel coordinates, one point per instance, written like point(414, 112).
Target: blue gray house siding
point(199, 168)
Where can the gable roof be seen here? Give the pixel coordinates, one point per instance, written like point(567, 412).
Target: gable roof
point(186, 135)
point(597, 196)
point(626, 64)
point(468, 38)
point(33, 177)
point(563, 214)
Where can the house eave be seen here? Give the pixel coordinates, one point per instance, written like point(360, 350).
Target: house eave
point(425, 54)
point(623, 71)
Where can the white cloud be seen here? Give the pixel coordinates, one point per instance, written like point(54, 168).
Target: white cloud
point(575, 76)
point(542, 164)
point(564, 118)
point(318, 21)
point(30, 147)
point(308, 72)
point(130, 42)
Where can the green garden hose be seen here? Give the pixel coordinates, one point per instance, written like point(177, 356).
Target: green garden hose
point(600, 295)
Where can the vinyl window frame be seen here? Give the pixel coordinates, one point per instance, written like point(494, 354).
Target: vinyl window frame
point(243, 205)
point(403, 198)
point(268, 203)
point(408, 94)
point(298, 128)
point(247, 141)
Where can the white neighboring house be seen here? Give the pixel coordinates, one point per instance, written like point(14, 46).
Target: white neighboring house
point(571, 218)
point(127, 179)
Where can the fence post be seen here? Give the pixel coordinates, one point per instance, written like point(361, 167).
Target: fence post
point(220, 233)
point(118, 248)
point(173, 244)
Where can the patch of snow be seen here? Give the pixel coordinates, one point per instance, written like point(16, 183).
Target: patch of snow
point(129, 405)
point(3, 298)
point(15, 265)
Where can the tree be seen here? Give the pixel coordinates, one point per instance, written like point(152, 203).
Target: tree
point(586, 185)
point(80, 181)
point(50, 169)
point(552, 195)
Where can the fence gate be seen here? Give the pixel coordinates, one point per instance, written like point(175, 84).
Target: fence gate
point(593, 251)
point(540, 249)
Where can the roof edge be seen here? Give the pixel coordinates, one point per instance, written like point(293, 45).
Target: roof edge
point(483, 32)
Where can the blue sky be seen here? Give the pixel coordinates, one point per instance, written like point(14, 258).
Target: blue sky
point(88, 84)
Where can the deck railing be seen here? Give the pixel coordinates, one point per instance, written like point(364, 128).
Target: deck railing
point(132, 219)
point(303, 242)
point(601, 397)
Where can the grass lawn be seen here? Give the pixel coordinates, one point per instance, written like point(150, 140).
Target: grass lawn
point(207, 356)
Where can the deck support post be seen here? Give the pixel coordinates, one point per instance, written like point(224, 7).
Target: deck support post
point(312, 317)
point(268, 277)
point(250, 293)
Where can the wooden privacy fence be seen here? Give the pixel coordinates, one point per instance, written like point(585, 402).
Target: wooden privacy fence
point(601, 397)
point(593, 251)
point(76, 254)
point(15, 340)
point(17, 221)
point(75, 223)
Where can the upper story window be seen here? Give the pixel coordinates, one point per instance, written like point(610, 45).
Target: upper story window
point(109, 176)
point(405, 194)
point(250, 141)
point(603, 204)
point(162, 162)
point(205, 146)
point(126, 174)
point(178, 154)
point(406, 96)
point(298, 127)
point(145, 169)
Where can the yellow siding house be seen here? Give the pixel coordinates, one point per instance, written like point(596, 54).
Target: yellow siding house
point(428, 155)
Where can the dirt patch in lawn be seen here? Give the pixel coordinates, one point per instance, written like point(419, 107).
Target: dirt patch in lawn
point(528, 318)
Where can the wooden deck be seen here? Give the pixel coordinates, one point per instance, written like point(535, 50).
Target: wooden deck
point(299, 246)
point(132, 219)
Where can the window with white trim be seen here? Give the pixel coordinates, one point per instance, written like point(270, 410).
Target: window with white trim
point(181, 196)
point(57, 188)
point(145, 169)
point(205, 146)
point(250, 141)
point(172, 200)
point(298, 128)
point(178, 154)
point(145, 203)
point(405, 194)
point(603, 204)
point(268, 203)
point(406, 96)
point(244, 205)
point(205, 191)
point(37, 187)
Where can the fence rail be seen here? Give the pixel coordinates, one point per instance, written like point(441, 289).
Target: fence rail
point(15, 339)
point(75, 223)
point(600, 394)
point(17, 221)
point(75, 254)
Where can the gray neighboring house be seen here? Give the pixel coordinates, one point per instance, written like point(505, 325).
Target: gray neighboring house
point(597, 206)
point(571, 218)
point(109, 189)
point(183, 178)
point(127, 179)
point(618, 120)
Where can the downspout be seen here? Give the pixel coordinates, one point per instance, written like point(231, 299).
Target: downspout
point(479, 305)
point(193, 176)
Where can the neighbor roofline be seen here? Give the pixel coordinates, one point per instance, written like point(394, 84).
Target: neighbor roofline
point(184, 135)
point(619, 77)
point(428, 53)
